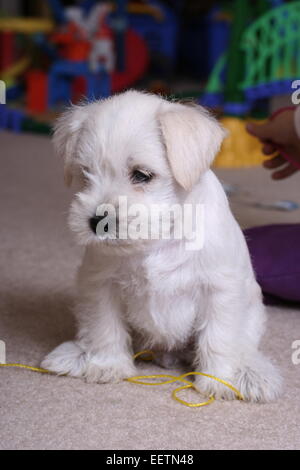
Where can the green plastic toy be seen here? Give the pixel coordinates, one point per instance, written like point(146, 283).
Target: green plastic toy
point(263, 57)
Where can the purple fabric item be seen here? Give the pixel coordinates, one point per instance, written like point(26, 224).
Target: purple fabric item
point(275, 254)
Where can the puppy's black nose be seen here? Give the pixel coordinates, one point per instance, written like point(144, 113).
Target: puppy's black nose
point(94, 221)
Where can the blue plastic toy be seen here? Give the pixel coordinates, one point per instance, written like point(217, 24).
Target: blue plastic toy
point(11, 119)
point(61, 76)
point(119, 23)
point(160, 36)
point(58, 11)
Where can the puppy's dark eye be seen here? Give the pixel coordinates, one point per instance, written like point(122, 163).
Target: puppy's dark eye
point(141, 176)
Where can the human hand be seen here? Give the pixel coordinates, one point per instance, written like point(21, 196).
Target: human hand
point(279, 135)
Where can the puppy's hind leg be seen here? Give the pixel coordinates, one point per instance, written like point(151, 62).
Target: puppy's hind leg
point(174, 359)
point(169, 359)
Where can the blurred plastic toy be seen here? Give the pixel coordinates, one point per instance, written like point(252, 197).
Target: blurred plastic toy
point(102, 50)
point(37, 91)
point(119, 24)
point(261, 62)
point(89, 50)
point(72, 39)
point(239, 149)
point(158, 25)
point(11, 119)
point(97, 55)
point(26, 25)
point(58, 11)
point(63, 73)
point(75, 42)
point(11, 67)
point(86, 51)
point(16, 69)
point(271, 47)
point(17, 121)
point(7, 49)
point(263, 58)
point(211, 33)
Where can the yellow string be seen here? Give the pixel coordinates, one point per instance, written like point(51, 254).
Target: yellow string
point(23, 366)
point(172, 379)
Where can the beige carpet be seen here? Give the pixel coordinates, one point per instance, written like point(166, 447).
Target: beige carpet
point(38, 260)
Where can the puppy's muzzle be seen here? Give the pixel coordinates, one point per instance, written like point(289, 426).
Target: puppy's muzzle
point(94, 221)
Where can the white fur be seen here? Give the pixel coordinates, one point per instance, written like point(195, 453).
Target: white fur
point(156, 294)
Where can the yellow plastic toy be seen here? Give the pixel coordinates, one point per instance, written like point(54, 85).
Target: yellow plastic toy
point(23, 26)
point(16, 69)
point(26, 26)
point(239, 149)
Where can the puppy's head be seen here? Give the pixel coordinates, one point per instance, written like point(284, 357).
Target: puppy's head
point(133, 150)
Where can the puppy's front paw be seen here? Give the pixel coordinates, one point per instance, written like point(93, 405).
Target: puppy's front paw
point(259, 380)
point(70, 359)
point(66, 359)
point(109, 371)
point(209, 387)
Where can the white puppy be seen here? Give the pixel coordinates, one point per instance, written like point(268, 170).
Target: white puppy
point(137, 294)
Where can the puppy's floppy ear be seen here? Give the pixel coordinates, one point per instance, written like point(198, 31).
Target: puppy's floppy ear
point(192, 138)
point(65, 137)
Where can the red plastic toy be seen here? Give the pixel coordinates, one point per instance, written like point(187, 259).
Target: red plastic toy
point(7, 55)
point(37, 91)
point(73, 42)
